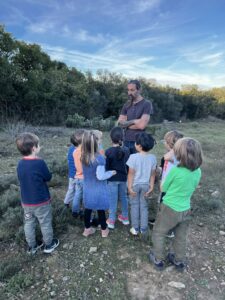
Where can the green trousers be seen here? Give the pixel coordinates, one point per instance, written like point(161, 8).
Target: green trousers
point(166, 220)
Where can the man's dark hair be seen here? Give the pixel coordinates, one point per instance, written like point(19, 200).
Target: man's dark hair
point(145, 140)
point(136, 82)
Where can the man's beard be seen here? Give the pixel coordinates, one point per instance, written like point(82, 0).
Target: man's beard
point(131, 98)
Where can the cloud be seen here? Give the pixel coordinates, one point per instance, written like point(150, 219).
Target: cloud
point(132, 68)
point(146, 5)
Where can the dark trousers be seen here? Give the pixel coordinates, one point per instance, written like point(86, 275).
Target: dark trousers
point(101, 218)
point(131, 146)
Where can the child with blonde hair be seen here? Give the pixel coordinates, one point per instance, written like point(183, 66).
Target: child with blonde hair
point(174, 212)
point(95, 188)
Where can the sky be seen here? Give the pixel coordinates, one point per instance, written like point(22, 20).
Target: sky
point(173, 41)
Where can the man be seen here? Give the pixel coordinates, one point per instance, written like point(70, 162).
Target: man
point(135, 114)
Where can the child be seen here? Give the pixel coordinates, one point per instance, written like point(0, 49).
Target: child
point(116, 158)
point(95, 188)
point(33, 174)
point(169, 160)
point(79, 174)
point(98, 135)
point(72, 171)
point(141, 178)
point(174, 211)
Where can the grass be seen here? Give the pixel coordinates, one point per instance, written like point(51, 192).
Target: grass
point(72, 272)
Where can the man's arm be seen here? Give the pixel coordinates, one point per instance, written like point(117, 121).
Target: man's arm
point(140, 123)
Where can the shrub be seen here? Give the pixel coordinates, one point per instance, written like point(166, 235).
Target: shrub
point(6, 181)
point(11, 198)
point(9, 268)
point(75, 121)
point(13, 219)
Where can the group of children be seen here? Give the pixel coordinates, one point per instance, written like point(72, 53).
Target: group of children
point(97, 180)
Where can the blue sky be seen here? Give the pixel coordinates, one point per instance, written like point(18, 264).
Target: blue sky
point(175, 42)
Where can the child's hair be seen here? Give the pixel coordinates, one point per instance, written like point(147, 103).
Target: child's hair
point(89, 147)
point(76, 137)
point(98, 135)
point(172, 136)
point(25, 142)
point(145, 140)
point(188, 152)
point(117, 136)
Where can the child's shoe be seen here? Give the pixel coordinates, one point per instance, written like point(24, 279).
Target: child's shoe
point(134, 231)
point(124, 220)
point(110, 223)
point(33, 250)
point(158, 264)
point(88, 231)
point(105, 233)
point(170, 234)
point(179, 265)
point(52, 246)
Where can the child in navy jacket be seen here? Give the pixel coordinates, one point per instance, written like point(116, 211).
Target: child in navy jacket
point(33, 175)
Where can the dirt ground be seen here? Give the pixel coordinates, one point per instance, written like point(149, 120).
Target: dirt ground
point(118, 266)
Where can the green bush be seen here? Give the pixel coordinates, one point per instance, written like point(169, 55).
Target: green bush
point(75, 121)
point(13, 219)
point(95, 123)
point(10, 198)
point(9, 268)
point(6, 181)
point(19, 282)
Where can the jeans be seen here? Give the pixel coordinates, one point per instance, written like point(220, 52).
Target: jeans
point(118, 189)
point(101, 218)
point(131, 146)
point(42, 214)
point(78, 195)
point(166, 220)
point(70, 192)
point(139, 207)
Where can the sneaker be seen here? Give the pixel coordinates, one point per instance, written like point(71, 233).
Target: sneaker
point(158, 264)
point(52, 246)
point(105, 233)
point(179, 265)
point(33, 250)
point(88, 231)
point(170, 234)
point(124, 220)
point(134, 231)
point(152, 221)
point(110, 223)
point(67, 205)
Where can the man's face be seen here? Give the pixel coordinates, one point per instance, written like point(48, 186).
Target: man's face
point(132, 91)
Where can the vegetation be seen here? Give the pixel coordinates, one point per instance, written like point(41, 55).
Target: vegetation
point(116, 267)
point(38, 90)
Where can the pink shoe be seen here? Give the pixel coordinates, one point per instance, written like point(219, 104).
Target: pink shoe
point(88, 231)
point(105, 233)
point(124, 220)
point(110, 223)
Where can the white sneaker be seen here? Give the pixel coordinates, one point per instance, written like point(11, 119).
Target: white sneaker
point(133, 231)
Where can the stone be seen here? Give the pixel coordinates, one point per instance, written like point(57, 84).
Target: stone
point(222, 233)
point(215, 194)
point(93, 249)
point(177, 285)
